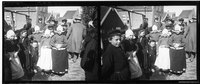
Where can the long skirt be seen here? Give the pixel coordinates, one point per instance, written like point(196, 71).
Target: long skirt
point(163, 59)
point(16, 68)
point(45, 59)
point(178, 60)
point(60, 60)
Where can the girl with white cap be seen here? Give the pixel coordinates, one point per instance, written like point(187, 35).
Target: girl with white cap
point(163, 59)
point(130, 47)
point(177, 51)
point(45, 58)
point(11, 49)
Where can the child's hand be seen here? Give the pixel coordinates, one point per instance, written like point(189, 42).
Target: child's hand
point(15, 54)
point(134, 53)
point(58, 45)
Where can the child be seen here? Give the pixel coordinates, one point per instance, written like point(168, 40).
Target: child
point(45, 59)
point(130, 47)
point(154, 34)
point(163, 59)
point(177, 52)
point(34, 54)
point(151, 50)
point(36, 34)
point(115, 63)
point(11, 51)
point(142, 53)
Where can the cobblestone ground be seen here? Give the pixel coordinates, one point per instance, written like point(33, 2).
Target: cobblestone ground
point(75, 73)
point(190, 74)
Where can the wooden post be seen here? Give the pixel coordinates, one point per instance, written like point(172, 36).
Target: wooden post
point(12, 21)
point(129, 19)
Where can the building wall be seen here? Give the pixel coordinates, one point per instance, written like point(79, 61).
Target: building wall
point(136, 19)
point(20, 20)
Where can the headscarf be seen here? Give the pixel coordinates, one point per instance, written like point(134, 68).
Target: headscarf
point(10, 33)
point(128, 33)
point(177, 28)
point(154, 27)
point(60, 28)
point(47, 33)
point(37, 28)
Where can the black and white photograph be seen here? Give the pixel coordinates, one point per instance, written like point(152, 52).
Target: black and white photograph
point(148, 42)
point(50, 43)
point(100, 42)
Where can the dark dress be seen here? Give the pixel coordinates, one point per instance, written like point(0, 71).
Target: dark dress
point(24, 56)
point(177, 56)
point(142, 55)
point(59, 56)
point(115, 64)
point(34, 56)
point(12, 70)
point(151, 55)
point(142, 52)
point(89, 61)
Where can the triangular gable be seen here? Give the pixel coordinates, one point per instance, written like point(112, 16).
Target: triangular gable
point(185, 13)
point(106, 14)
point(69, 14)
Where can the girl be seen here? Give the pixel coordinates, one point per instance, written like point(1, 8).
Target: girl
point(24, 54)
point(115, 63)
point(163, 59)
point(59, 52)
point(142, 53)
point(45, 59)
point(130, 47)
point(11, 52)
point(177, 52)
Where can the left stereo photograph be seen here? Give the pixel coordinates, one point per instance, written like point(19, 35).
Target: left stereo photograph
point(50, 43)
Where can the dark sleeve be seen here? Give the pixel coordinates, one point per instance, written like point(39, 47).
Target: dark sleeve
point(186, 31)
point(89, 53)
point(170, 41)
point(52, 41)
point(159, 41)
point(69, 31)
point(107, 63)
point(84, 32)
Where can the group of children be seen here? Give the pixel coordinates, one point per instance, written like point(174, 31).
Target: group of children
point(44, 51)
point(160, 50)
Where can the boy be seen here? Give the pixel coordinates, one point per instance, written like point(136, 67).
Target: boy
point(34, 54)
point(115, 63)
point(151, 50)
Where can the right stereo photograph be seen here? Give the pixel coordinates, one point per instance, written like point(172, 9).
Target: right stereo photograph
point(148, 42)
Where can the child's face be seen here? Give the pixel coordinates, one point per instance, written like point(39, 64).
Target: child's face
point(152, 44)
point(34, 44)
point(115, 41)
point(24, 34)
